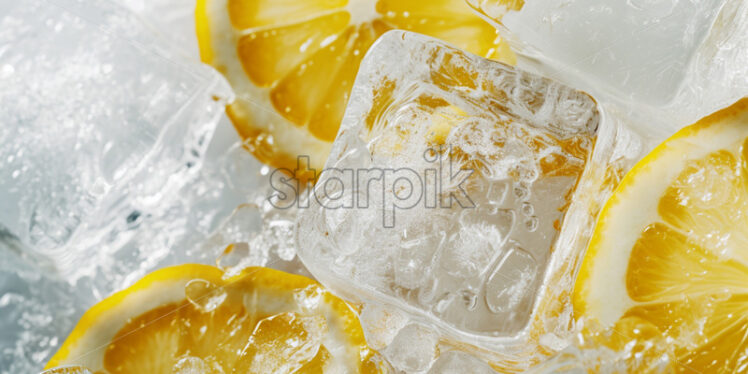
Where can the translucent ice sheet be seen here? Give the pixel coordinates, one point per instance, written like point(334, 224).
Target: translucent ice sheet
point(422, 113)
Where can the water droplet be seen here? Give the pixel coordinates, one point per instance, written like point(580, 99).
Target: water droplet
point(204, 295)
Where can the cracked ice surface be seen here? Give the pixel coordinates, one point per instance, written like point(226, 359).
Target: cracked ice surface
point(411, 238)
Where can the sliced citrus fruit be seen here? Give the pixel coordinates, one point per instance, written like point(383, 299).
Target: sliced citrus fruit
point(671, 246)
point(191, 317)
point(293, 62)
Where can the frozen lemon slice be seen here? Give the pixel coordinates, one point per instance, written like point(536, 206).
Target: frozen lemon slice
point(671, 246)
point(189, 319)
point(293, 62)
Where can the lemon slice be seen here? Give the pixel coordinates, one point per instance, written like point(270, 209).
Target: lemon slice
point(671, 246)
point(292, 63)
point(188, 318)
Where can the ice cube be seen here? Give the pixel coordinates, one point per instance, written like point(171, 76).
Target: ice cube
point(413, 349)
point(381, 324)
point(459, 362)
point(669, 62)
point(479, 182)
point(101, 121)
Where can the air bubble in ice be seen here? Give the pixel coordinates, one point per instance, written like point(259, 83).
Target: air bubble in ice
point(532, 224)
point(527, 209)
point(521, 192)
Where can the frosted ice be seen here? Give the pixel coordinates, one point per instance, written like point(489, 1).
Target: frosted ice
point(427, 112)
point(381, 324)
point(459, 362)
point(669, 62)
point(101, 121)
point(413, 349)
point(173, 18)
point(596, 348)
point(38, 309)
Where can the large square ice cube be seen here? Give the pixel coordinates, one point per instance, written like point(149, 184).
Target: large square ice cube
point(453, 185)
point(99, 118)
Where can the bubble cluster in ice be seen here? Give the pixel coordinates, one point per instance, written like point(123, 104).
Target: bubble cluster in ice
point(448, 186)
